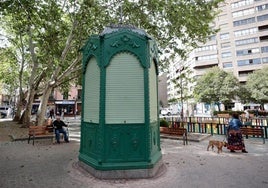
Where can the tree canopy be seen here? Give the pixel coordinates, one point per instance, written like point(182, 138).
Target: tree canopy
point(216, 86)
point(257, 85)
point(51, 32)
point(177, 25)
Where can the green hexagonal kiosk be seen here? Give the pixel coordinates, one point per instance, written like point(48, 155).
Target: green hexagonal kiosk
point(120, 125)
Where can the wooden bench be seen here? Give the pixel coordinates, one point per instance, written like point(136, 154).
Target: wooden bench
point(251, 131)
point(223, 115)
point(179, 131)
point(44, 131)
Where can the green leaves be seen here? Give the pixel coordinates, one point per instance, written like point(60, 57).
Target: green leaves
point(9, 69)
point(58, 29)
point(216, 86)
point(257, 85)
point(178, 26)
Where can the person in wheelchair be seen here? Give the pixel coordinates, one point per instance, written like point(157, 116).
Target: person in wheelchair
point(59, 125)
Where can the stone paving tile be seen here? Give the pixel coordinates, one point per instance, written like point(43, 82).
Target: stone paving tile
point(48, 165)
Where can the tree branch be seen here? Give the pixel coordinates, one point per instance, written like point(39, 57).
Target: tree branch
point(68, 42)
point(71, 68)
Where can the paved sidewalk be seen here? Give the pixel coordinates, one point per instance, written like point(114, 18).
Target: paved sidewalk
point(46, 165)
point(190, 166)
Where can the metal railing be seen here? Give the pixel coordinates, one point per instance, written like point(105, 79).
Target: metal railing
point(215, 125)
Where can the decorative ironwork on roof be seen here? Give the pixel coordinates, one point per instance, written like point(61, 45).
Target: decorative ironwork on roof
point(116, 27)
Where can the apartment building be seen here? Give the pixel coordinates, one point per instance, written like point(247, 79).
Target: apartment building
point(162, 90)
point(241, 45)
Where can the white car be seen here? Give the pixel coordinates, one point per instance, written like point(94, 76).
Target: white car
point(3, 111)
point(166, 112)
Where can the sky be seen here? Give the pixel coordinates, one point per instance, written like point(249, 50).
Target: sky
point(3, 39)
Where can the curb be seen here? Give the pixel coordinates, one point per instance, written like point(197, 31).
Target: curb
point(189, 138)
point(201, 138)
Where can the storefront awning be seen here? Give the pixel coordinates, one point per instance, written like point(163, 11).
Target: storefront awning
point(65, 102)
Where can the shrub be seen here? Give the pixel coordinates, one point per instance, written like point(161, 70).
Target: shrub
point(260, 113)
point(164, 123)
point(230, 112)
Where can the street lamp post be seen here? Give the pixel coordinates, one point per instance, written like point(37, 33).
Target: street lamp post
point(181, 92)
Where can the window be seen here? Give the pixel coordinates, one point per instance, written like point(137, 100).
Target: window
point(213, 37)
point(244, 73)
point(246, 41)
point(227, 65)
point(226, 54)
point(262, 7)
point(65, 95)
point(79, 94)
point(247, 51)
point(240, 52)
point(248, 62)
point(244, 12)
point(262, 18)
point(264, 49)
point(265, 60)
point(244, 22)
point(255, 50)
point(224, 25)
point(206, 57)
point(263, 28)
point(226, 45)
point(206, 48)
point(242, 3)
point(264, 38)
point(224, 36)
point(245, 32)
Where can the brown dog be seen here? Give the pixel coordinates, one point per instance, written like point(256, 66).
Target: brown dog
point(218, 144)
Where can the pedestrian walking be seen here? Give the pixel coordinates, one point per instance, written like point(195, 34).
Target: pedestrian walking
point(51, 114)
point(234, 135)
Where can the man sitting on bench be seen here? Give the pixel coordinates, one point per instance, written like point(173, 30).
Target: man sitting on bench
point(58, 126)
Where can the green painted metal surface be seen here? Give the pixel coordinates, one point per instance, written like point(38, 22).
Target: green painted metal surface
point(120, 130)
point(92, 93)
point(124, 90)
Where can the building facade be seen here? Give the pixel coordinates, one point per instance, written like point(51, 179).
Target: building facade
point(162, 90)
point(240, 47)
point(67, 104)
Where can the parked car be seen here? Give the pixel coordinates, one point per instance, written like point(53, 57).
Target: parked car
point(166, 112)
point(3, 115)
point(3, 111)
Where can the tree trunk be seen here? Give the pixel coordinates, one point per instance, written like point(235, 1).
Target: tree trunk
point(32, 85)
point(19, 107)
point(212, 109)
point(21, 100)
point(43, 105)
point(219, 106)
point(28, 109)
